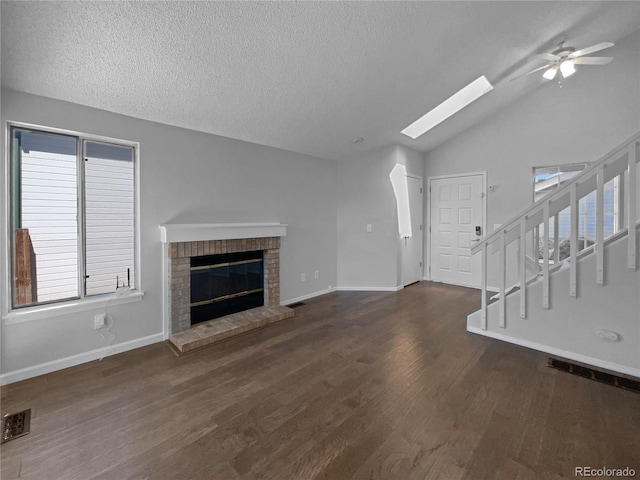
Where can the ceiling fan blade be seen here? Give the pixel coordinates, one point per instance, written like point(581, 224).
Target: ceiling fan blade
point(548, 56)
point(592, 60)
point(591, 49)
point(532, 71)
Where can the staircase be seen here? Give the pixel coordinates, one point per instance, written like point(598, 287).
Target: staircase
point(591, 281)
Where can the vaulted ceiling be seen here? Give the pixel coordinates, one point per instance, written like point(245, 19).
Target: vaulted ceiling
point(302, 76)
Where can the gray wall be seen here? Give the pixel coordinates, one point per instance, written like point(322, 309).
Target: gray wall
point(186, 176)
point(365, 195)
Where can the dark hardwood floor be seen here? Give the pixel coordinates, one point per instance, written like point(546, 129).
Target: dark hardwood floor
point(355, 386)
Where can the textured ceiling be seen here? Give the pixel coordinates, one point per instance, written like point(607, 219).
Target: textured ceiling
point(302, 76)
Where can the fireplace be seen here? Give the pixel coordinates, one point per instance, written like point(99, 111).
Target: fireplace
point(226, 283)
point(198, 303)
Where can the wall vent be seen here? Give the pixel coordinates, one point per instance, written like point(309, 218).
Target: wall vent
point(296, 305)
point(597, 375)
point(15, 425)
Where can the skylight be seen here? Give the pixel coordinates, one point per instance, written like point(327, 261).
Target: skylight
point(453, 104)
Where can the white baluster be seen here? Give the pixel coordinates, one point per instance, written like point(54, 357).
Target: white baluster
point(503, 278)
point(600, 226)
point(573, 254)
point(483, 313)
point(545, 257)
point(633, 156)
point(556, 238)
point(523, 267)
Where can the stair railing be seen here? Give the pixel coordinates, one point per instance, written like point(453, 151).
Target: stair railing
point(615, 163)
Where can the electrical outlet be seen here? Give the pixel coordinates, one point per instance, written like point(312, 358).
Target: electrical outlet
point(99, 320)
point(303, 277)
point(369, 228)
point(316, 274)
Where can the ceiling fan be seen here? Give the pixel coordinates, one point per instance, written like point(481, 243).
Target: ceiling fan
point(564, 59)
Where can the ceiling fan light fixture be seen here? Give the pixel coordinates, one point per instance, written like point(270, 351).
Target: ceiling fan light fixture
point(550, 73)
point(567, 68)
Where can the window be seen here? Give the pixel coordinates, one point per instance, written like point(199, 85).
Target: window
point(548, 179)
point(73, 224)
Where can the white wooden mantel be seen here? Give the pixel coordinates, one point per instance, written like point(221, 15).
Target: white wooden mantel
point(194, 232)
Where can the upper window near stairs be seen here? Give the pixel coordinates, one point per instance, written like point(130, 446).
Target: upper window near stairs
point(547, 180)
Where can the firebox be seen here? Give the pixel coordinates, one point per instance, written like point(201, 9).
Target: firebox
point(226, 283)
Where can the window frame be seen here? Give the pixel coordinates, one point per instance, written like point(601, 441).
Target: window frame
point(18, 314)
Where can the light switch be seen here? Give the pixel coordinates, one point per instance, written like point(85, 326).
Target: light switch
point(369, 228)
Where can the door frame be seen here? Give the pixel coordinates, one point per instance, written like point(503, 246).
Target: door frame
point(483, 174)
point(422, 234)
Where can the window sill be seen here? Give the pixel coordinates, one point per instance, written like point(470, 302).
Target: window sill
point(56, 310)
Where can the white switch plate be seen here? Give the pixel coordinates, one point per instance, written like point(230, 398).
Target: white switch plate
point(369, 228)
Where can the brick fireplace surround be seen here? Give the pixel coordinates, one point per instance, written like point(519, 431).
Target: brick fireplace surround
point(180, 254)
point(181, 242)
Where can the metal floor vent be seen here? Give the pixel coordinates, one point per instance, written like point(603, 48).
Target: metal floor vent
point(296, 305)
point(15, 425)
point(596, 375)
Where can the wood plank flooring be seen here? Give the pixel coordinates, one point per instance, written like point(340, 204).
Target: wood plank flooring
point(357, 385)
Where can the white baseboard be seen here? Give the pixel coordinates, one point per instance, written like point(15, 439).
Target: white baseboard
point(307, 297)
point(596, 362)
point(369, 289)
point(72, 361)
point(455, 284)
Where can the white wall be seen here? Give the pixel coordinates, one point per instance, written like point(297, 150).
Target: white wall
point(569, 328)
point(186, 176)
point(595, 110)
point(365, 196)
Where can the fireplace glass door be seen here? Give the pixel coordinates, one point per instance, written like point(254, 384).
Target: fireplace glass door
point(225, 284)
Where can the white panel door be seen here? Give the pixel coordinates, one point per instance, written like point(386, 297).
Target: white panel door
point(456, 209)
point(412, 246)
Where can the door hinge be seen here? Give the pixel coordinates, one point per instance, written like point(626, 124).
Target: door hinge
point(420, 263)
point(429, 229)
point(420, 189)
point(420, 227)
